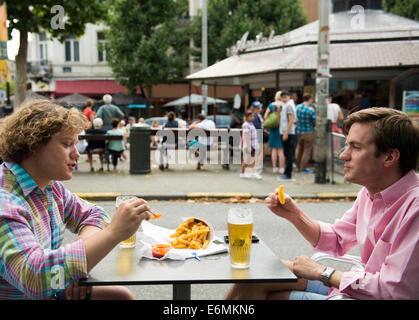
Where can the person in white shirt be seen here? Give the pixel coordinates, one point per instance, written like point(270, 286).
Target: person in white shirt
point(203, 142)
point(334, 114)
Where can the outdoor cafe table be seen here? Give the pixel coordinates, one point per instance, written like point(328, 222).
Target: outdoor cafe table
point(123, 267)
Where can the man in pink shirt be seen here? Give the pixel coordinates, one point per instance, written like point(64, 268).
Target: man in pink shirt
point(381, 154)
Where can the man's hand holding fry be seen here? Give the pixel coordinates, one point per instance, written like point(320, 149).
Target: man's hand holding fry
point(287, 210)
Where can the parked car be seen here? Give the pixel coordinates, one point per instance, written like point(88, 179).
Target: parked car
point(162, 121)
point(221, 120)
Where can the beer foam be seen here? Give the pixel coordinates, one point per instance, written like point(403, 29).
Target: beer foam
point(239, 216)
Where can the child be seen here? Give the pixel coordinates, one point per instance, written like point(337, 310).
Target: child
point(249, 146)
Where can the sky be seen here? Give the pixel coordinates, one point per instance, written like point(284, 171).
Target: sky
point(13, 45)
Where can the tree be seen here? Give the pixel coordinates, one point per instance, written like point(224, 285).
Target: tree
point(145, 43)
point(59, 18)
point(405, 8)
point(228, 20)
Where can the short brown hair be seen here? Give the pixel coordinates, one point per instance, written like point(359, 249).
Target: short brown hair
point(33, 125)
point(89, 103)
point(393, 129)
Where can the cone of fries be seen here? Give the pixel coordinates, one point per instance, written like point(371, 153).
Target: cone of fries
point(192, 233)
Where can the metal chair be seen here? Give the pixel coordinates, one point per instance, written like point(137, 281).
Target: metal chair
point(354, 260)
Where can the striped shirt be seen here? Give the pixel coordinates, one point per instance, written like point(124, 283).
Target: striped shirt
point(33, 264)
point(306, 118)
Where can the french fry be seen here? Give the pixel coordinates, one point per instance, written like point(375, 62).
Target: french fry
point(205, 245)
point(281, 196)
point(185, 229)
point(190, 234)
point(180, 246)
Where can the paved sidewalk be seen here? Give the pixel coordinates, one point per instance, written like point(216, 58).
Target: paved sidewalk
point(184, 181)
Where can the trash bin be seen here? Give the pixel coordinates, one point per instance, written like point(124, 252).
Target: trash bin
point(140, 149)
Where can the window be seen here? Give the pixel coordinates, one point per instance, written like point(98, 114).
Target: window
point(101, 50)
point(72, 50)
point(43, 55)
point(345, 5)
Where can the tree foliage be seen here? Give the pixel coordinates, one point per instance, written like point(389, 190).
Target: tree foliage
point(35, 16)
point(228, 20)
point(405, 8)
point(146, 44)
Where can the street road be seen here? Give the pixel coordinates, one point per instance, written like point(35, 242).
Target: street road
point(281, 237)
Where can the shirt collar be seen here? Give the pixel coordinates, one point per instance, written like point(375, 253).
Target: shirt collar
point(27, 184)
point(400, 187)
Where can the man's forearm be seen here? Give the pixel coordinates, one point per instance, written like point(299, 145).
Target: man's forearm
point(309, 228)
point(88, 231)
point(98, 246)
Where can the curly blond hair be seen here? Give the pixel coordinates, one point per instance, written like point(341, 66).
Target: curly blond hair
point(33, 125)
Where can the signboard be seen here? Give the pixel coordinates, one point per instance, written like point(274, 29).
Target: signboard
point(411, 102)
point(4, 60)
point(5, 70)
point(309, 90)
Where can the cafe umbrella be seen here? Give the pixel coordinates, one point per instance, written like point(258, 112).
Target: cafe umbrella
point(194, 99)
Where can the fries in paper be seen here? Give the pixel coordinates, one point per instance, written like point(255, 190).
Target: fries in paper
point(191, 234)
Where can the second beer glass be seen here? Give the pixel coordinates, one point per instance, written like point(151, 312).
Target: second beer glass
point(240, 228)
point(130, 242)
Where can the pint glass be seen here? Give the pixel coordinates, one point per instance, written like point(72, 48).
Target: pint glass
point(240, 227)
point(130, 242)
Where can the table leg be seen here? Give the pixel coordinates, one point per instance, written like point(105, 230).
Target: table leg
point(181, 291)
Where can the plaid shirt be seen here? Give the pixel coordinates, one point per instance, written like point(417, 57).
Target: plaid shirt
point(306, 118)
point(32, 225)
point(249, 139)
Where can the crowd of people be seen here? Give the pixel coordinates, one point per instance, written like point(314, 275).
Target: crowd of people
point(290, 139)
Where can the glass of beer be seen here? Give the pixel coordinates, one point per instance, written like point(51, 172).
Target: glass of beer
point(240, 228)
point(130, 242)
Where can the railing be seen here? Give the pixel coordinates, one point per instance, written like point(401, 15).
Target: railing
point(226, 142)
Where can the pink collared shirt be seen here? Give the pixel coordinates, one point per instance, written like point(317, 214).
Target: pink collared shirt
point(386, 229)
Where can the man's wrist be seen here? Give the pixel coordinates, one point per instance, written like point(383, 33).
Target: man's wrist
point(112, 236)
point(326, 275)
point(319, 272)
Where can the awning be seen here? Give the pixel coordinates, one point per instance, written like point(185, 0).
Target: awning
point(260, 67)
point(384, 42)
point(88, 87)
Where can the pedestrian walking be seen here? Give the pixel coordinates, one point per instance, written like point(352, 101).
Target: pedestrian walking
point(334, 114)
point(258, 123)
point(287, 131)
point(275, 142)
point(168, 144)
point(249, 146)
point(305, 133)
